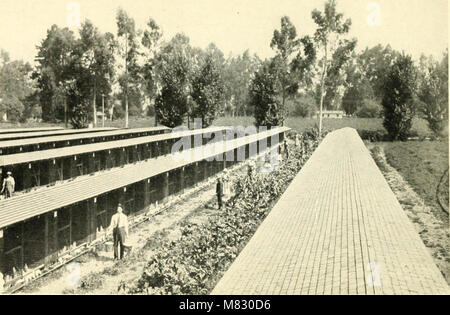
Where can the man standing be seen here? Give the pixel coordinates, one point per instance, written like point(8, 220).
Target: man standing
point(286, 149)
point(297, 140)
point(119, 224)
point(8, 185)
point(219, 192)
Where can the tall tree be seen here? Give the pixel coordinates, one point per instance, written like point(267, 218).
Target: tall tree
point(126, 31)
point(433, 94)
point(398, 99)
point(207, 91)
point(174, 65)
point(355, 96)
point(238, 74)
point(15, 88)
point(54, 72)
point(268, 110)
point(329, 36)
point(293, 60)
point(151, 40)
point(94, 54)
point(372, 64)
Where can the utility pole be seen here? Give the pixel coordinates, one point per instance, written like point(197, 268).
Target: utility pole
point(126, 81)
point(322, 88)
point(65, 111)
point(94, 104)
point(103, 110)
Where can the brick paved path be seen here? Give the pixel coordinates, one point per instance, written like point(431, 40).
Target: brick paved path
point(338, 229)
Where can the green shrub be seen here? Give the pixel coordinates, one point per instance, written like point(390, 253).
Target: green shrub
point(373, 135)
point(304, 106)
point(118, 112)
point(369, 109)
point(134, 111)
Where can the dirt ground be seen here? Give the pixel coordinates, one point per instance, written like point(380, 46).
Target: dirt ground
point(97, 273)
point(435, 234)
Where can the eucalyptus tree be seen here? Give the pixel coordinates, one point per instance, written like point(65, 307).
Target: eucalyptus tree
point(129, 49)
point(336, 49)
point(151, 41)
point(293, 60)
point(281, 77)
point(54, 72)
point(95, 52)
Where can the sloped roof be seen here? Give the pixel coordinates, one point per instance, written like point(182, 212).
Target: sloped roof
point(23, 142)
point(28, 157)
point(24, 135)
point(18, 130)
point(23, 207)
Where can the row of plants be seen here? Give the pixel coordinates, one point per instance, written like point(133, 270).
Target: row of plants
point(196, 261)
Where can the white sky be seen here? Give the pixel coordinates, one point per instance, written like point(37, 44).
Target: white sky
point(415, 26)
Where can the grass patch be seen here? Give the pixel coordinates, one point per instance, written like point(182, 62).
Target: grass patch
point(301, 124)
point(296, 123)
point(421, 164)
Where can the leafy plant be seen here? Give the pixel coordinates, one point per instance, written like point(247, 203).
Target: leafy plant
point(193, 263)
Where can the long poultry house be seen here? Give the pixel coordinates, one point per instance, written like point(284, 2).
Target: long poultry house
point(65, 195)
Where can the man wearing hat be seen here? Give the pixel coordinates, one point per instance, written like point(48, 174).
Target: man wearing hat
point(119, 225)
point(8, 185)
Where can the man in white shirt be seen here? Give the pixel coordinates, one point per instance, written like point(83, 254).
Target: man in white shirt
point(119, 225)
point(8, 185)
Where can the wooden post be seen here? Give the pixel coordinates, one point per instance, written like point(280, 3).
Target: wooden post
point(146, 193)
point(194, 175)
point(2, 250)
point(22, 245)
point(55, 230)
point(165, 186)
point(91, 162)
point(103, 110)
point(91, 219)
point(52, 171)
point(123, 156)
point(46, 240)
point(205, 169)
point(26, 176)
point(181, 179)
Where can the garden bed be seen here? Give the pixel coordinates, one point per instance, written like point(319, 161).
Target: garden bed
point(194, 262)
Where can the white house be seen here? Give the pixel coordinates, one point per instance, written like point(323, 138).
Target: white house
point(331, 114)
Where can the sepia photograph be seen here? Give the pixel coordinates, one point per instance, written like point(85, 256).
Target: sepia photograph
point(229, 154)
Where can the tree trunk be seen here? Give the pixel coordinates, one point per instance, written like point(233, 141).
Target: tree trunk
point(65, 112)
point(322, 87)
point(126, 81)
point(94, 105)
point(283, 104)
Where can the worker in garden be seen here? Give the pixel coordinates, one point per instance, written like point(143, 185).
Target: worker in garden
point(297, 140)
point(219, 192)
point(286, 148)
point(251, 169)
point(226, 183)
point(119, 225)
point(8, 185)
